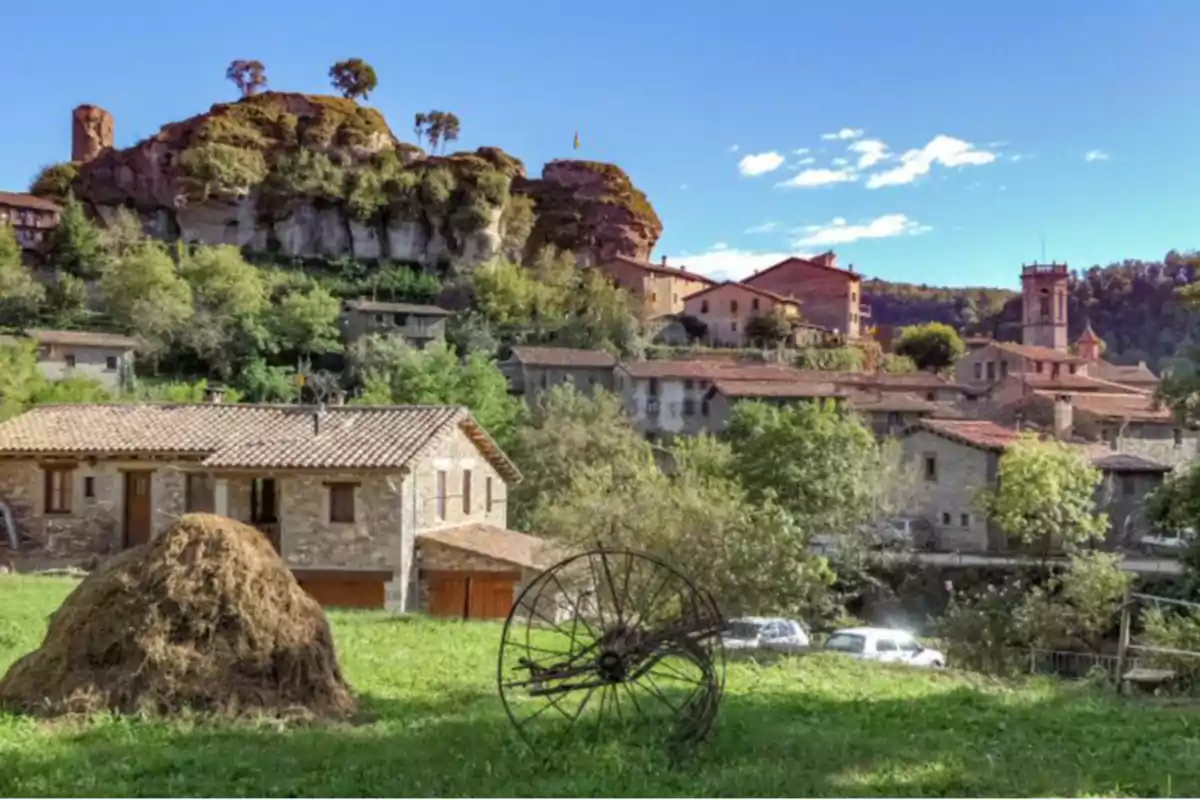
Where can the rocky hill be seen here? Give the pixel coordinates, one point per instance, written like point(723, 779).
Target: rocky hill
point(320, 176)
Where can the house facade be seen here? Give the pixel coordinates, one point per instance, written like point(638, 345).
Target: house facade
point(727, 309)
point(32, 218)
point(417, 324)
point(657, 289)
point(106, 358)
point(533, 370)
point(344, 494)
point(829, 296)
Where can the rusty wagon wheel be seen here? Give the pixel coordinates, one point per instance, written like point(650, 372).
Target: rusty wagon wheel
point(612, 642)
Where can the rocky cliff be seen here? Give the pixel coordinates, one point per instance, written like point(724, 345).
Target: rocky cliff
point(320, 176)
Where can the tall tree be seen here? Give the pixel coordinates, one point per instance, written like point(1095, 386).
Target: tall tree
point(249, 76)
point(1045, 494)
point(76, 246)
point(20, 293)
point(306, 321)
point(144, 293)
point(768, 330)
point(449, 127)
point(230, 296)
point(354, 78)
point(932, 346)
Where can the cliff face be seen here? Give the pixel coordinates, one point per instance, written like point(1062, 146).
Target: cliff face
point(312, 175)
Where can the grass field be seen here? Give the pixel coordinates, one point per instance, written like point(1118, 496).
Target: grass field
point(811, 726)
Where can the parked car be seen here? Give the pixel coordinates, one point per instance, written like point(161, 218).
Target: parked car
point(1173, 543)
point(883, 644)
point(766, 633)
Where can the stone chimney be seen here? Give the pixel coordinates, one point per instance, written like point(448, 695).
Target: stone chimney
point(318, 416)
point(214, 394)
point(91, 133)
point(1064, 416)
point(826, 259)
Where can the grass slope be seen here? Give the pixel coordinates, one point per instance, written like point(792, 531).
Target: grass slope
point(808, 727)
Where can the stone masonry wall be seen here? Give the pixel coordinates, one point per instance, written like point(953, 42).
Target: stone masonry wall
point(372, 541)
point(456, 454)
point(961, 472)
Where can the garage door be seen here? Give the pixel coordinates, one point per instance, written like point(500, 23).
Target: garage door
point(474, 595)
point(350, 590)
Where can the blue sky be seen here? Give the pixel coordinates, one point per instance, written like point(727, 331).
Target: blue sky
point(972, 123)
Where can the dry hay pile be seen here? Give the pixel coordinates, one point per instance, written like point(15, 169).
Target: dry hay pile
point(205, 618)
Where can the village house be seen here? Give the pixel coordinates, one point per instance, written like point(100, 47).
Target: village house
point(830, 296)
point(106, 358)
point(32, 218)
point(533, 370)
point(417, 325)
point(398, 507)
point(727, 309)
point(658, 289)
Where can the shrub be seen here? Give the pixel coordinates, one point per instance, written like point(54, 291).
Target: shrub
point(212, 168)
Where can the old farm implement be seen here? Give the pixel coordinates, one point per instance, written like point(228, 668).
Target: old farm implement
point(612, 642)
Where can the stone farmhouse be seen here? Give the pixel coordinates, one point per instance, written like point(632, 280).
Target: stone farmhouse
point(657, 289)
point(829, 295)
point(398, 507)
point(727, 308)
point(417, 325)
point(533, 370)
point(106, 358)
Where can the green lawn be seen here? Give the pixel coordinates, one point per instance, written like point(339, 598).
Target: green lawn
point(812, 726)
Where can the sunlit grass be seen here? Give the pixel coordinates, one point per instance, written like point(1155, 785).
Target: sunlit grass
point(434, 725)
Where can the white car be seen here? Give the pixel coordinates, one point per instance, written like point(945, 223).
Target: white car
point(765, 633)
point(1174, 542)
point(883, 644)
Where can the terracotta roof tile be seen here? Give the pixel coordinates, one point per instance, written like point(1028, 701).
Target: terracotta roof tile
point(22, 200)
point(564, 357)
point(1075, 383)
point(663, 270)
point(248, 436)
point(773, 296)
point(850, 274)
point(380, 307)
point(83, 338)
point(1133, 374)
point(498, 543)
point(712, 369)
point(1133, 407)
point(976, 433)
point(890, 401)
point(769, 388)
point(1128, 462)
point(1036, 353)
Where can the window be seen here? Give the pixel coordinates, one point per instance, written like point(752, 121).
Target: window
point(733, 326)
point(466, 492)
point(542, 380)
point(400, 319)
point(965, 521)
point(845, 643)
point(441, 494)
point(733, 306)
point(991, 370)
point(978, 370)
point(654, 387)
point(264, 502)
point(1054, 370)
point(89, 487)
point(1179, 437)
point(689, 407)
point(704, 408)
point(931, 396)
point(70, 359)
point(703, 306)
point(591, 380)
point(885, 646)
point(893, 420)
point(945, 517)
point(674, 298)
point(687, 384)
point(1003, 370)
point(853, 295)
point(198, 494)
point(754, 304)
point(379, 319)
point(487, 495)
point(907, 644)
point(1044, 305)
point(930, 467)
point(341, 502)
point(1071, 369)
point(110, 363)
point(1128, 486)
point(58, 489)
point(1037, 367)
point(653, 297)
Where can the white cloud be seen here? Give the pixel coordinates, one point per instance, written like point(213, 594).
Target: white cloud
point(764, 227)
point(944, 150)
point(840, 162)
point(843, 134)
point(731, 264)
point(799, 151)
point(1095, 155)
point(720, 246)
point(760, 163)
point(818, 177)
point(870, 152)
point(733, 148)
point(805, 161)
point(838, 231)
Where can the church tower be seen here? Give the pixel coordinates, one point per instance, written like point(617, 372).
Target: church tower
point(1044, 305)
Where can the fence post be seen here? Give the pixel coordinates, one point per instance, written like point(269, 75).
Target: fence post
point(1123, 642)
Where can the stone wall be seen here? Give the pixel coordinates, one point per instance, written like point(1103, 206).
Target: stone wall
point(309, 539)
point(961, 472)
point(456, 454)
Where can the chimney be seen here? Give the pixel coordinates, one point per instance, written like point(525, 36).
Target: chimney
point(337, 398)
point(1064, 416)
point(214, 394)
point(664, 261)
point(318, 414)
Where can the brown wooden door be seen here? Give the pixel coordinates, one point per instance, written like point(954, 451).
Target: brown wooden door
point(348, 594)
point(448, 596)
point(137, 508)
point(489, 598)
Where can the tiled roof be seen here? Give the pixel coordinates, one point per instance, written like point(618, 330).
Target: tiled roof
point(1073, 383)
point(563, 357)
point(248, 436)
point(772, 296)
point(806, 262)
point(907, 380)
point(712, 369)
point(975, 433)
point(1133, 407)
point(498, 543)
point(1088, 336)
point(663, 270)
point(22, 200)
point(751, 388)
point(1128, 462)
point(890, 401)
point(83, 338)
point(380, 307)
point(1036, 353)
point(1133, 374)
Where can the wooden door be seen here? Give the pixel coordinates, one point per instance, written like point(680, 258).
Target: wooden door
point(346, 593)
point(489, 598)
point(137, 508)
point(448, 596)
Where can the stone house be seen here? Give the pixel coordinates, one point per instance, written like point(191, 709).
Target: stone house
point(106, 358)
point(996, 361)
point(716, 405)
point(533, 370)
point(398, 507)
point(1128, 481)
point(657, 289)
point(830, 296)
point(727, 308)
point(417, 324)
point(32, 218)
point(889, 414)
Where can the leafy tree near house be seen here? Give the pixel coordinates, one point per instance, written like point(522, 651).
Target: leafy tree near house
point(20, 293)
point(768, 330)
point(354, 78)
point(250, 76)
point(1046, 493)
point(144, 293)
point(230, 297)
point(76, 246)
point(932, 346)
point(306, 321)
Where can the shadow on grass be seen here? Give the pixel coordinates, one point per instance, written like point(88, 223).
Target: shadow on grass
point(798, 742)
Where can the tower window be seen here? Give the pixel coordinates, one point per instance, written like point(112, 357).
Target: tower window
point(1044, 304)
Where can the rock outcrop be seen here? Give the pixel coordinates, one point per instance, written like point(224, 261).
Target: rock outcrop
point(91, 133)
point(320, 176)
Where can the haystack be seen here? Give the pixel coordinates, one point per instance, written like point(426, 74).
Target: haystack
point(206, 618)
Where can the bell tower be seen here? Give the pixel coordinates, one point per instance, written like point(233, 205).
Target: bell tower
point(1044, 305)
